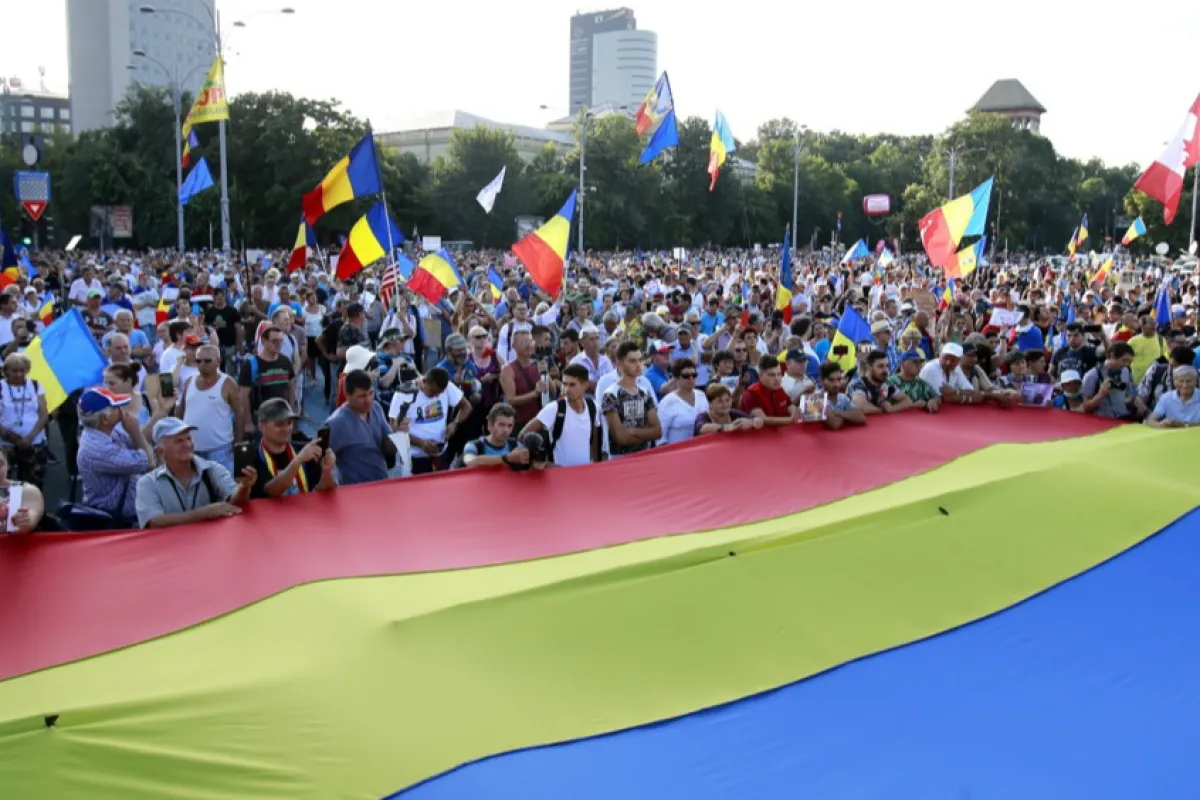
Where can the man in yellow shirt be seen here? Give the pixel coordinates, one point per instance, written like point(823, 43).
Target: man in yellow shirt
point(1147, 346)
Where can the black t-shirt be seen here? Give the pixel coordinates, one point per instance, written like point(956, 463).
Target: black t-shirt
point(329, 336)
point(349, 336)
point(224, 321)
point(1080, 360)
point(98, 323)
point(311, 470)
point(272, 380)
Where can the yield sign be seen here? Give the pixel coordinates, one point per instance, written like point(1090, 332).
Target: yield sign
point(34, 208)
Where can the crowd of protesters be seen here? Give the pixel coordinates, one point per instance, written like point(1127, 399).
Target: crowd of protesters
point(200, 411)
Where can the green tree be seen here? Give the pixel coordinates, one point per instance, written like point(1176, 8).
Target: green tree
point(474, 158)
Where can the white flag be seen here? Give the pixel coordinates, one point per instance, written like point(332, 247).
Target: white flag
point(487, 195)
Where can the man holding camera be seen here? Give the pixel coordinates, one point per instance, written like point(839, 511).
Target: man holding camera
point(281, 471)
point(1108, 389)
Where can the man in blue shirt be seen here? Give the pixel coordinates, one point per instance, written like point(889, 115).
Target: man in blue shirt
point(712, 318)
point(659, 372)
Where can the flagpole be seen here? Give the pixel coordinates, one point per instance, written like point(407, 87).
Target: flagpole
point(387, 218)
point(1195, 196)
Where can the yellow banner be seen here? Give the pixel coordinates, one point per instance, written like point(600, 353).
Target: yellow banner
point(211, 104)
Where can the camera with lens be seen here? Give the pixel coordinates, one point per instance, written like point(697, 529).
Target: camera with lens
point(1116, 380)
point(406, 390)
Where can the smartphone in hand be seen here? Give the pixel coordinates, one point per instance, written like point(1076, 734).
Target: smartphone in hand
point(166, 384)
point(323, 438)
point(243, 456)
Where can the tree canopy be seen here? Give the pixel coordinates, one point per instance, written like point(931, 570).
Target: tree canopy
point(276, 153)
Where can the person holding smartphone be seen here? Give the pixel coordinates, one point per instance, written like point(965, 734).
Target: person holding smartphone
point(281, 470)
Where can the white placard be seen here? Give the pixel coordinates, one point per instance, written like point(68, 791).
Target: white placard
point(75, 240)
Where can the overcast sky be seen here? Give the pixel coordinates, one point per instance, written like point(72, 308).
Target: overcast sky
point(864, 67)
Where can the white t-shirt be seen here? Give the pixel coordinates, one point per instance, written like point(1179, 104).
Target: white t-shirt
point(168, 359)
point(574, 447)
point(933, 374)
point(678, 419)
point(428, 415)
point(79, 289)
point(19, 408)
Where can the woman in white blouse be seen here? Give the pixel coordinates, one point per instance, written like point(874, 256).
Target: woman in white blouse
point(23, 418)
point(678, 410)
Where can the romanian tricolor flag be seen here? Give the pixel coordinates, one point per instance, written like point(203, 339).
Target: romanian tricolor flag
point(1137, 229)
point(1078, 238)
point(943, 228)
point(544, 251)
point(947, 298)
point(356, 175)
point(966, 260)
point(1104, 273)
point(371, 238)
point(719, 148)
point(46, 312)
point(188, 144)
point(851, 330)
point(787, 283)
point(64, 358)
point(885, 632)
point(163, 311)
point(435, 275)
point(9, 276)
point(306, 242)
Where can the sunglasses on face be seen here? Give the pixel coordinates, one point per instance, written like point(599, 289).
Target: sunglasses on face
point(688, 376)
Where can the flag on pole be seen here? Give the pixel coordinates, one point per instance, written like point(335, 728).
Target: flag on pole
point(666, 137)
point(1162, 305)
point(369, 241)
point(487, 195)
point(719, 148)
point(188, 143)
point(943, 228)
point(196, 182)
point(306, 242)
point(859, 251)
point(658, 103)
point(356, 175)
point(435, 276)
point(211, 103)
point(787, 284)
point(387, 285)
point(544, 251)
point(1163, 180)
point(496, 286)
point(851, 330)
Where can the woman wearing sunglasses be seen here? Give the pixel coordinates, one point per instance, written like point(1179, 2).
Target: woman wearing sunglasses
point(678, 410)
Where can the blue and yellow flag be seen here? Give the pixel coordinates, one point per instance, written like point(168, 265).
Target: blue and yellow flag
point(1138, 228)
point(719, 149)
point(787, 284)
point(65, 358)
point(851, 330)
point(496, 285)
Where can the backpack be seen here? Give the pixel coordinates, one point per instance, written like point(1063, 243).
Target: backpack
point(560, 421)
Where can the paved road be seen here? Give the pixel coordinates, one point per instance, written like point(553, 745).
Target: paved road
point(58, 487)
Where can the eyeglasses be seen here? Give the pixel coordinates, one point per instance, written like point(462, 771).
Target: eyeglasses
point(687, 376)
point(479, 336)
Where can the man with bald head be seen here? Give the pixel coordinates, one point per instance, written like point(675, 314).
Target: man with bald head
point(208, 401)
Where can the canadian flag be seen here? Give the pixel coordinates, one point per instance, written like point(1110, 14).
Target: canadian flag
point(1163, 180)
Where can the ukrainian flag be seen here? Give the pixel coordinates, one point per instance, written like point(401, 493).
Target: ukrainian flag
point(435, 275)
point(65, 358)
point(370, 240)
point(356, 175)
point(851, 330)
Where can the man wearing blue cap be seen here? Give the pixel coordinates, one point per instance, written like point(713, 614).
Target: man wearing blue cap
point(112, 454)
point(187, 488)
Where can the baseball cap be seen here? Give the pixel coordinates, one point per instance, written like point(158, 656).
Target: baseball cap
point(796, 355)
point(1069, 375)
point(171, 426)
point(100, 398)
point(191, 339)
point(970, 349)
point(952, 349)
point(276, 410)
point(684, 329)
point(660, 348)
point(880, 327)
point(95, 293)
point(911, 355)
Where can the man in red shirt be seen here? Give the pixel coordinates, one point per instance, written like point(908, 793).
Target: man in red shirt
point(767, 399)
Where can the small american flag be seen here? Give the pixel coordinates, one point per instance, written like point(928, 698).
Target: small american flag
point(387, 286)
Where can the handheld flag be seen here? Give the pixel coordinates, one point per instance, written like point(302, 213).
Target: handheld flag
point(1103, 273)
point(64, 358)
point(387, 285)
point(306, 242)
point(787, 284)
point(1078, 238)
point(1138, 228)
point(886, 259)
point(943, 228)
point(191, 141)
point(1162, 306)
point(405, 266)
point(46, 312)
point(544, 251)
point(211, 104)
point(487, 195)
point(435, 276)
point(719, 148)
point(851, 330)
point(947, 296)
point(196, 182)
point(496, 286)
point(966, 260)
point(356, 175)
point(857, 252)
point(370, 240)
point(1163, 180)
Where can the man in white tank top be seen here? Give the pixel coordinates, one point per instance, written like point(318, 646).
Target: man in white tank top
point(209, 401)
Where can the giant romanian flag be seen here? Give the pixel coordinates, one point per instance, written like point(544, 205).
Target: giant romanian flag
point(878, 623)
point(943, 228)
point(356, 175)
point(544, 252)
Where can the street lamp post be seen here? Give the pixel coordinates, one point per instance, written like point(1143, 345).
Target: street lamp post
point(796, 187)
point(584, 116)
point(215, 17)
point(176, 105)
